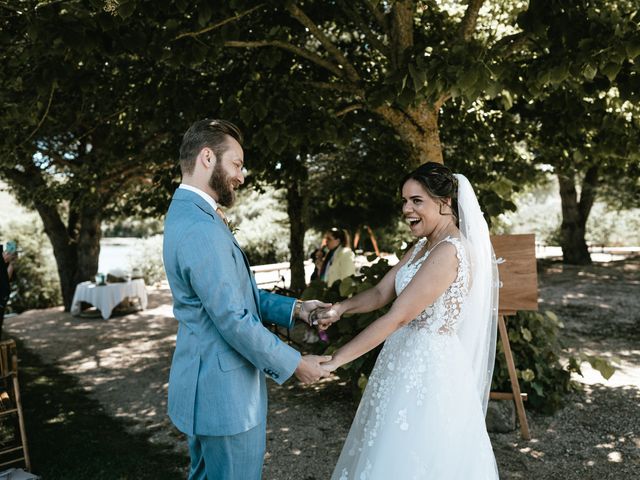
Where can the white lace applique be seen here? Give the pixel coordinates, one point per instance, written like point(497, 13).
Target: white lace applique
point(442, 315)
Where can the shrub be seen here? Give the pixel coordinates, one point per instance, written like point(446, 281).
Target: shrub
point(132, 227)
point(36, 283)
point(536, 349)
point(261, 226)
point(148, 260)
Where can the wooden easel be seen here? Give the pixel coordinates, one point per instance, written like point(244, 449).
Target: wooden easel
point(372, 237)
point(519, 291)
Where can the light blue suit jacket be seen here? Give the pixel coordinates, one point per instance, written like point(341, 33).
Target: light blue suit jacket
point(223, 351)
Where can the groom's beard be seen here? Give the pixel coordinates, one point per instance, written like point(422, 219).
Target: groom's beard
point(221, 184)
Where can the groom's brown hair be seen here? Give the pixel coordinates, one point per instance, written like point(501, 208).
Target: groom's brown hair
point(211, 133)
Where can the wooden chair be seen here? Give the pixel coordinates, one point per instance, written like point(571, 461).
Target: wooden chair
point(13, 448)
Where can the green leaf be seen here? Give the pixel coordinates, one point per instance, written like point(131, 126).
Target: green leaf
point(552, 316)
point(506, 99)
point(633, 48)
point(468, 79)
point(204, 13)
point(347, 287)
point(538, 388)
point(418, 76)
point(526, 334)
point(528, 375)
point(559, 73)
point(610, 70)
point(493, 89)
point(589, 71)
point(602, 365)
point(362, 382)
point(126, 9)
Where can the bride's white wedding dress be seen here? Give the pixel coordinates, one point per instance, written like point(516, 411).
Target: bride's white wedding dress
point(421, 416)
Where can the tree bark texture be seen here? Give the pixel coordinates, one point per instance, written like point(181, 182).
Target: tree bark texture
point(296, 211)
point(418, 127)
point(575, 213)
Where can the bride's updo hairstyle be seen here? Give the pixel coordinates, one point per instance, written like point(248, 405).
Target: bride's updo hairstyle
point(439, 182)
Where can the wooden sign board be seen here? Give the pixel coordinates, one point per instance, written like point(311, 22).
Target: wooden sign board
point(518, 272)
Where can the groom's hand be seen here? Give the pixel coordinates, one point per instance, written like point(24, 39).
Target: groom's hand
point(325, 317)
point(310, 368)
point(309, 306)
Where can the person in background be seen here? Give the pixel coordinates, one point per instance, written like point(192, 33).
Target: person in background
point(339, 263)
point(317, 257)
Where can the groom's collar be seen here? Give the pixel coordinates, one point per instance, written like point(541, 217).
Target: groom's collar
point(202, 194)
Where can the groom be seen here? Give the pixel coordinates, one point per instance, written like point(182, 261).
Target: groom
point(217, 388)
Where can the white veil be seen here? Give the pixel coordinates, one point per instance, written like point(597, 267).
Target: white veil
point(479, 316)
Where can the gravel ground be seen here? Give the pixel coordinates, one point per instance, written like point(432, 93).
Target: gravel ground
point(124, 363)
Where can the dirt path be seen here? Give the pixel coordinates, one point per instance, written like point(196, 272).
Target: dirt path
point(124, 362)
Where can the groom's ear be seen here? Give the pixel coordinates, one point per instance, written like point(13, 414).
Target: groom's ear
point(207, 157)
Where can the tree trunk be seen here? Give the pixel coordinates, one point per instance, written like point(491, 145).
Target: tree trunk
point(76, 258)
point(574, 216)
point(88, 249)
point(296, 210)
point(418, 127)
point(64, 251)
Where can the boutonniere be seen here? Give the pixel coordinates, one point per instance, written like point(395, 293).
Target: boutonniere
point(233, 228)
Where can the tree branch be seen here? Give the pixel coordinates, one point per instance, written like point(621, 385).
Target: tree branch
point(58, 158)
point(338, 87)
point(114, 182)
point(237, 16)
point(470, 19)
point(44, 116)
point(100, 123)
point(441, 101)
point(350, 108)
point(317, 59)
point(378, 15)
point(509, 45)
point(588, 192)
point(334, 51)
point(371, 36)
point(401, 31)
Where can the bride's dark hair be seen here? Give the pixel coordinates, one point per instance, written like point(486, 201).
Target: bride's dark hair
point(439, 182)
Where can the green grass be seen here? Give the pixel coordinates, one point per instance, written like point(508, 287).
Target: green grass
point(71, 437)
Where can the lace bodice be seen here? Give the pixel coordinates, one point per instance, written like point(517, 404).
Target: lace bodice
point(441, 317)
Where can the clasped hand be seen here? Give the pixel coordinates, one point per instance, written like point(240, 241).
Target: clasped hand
point(324, 317)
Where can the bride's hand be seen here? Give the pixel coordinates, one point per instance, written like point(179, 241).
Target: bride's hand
point(325, 317)
point(332, 365)
point(329, 367)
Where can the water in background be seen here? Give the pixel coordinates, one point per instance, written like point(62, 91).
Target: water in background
point(119, 253)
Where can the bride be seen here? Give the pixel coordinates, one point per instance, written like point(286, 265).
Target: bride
point(422, 413)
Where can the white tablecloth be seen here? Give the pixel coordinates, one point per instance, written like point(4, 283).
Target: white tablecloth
point(106, 297)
